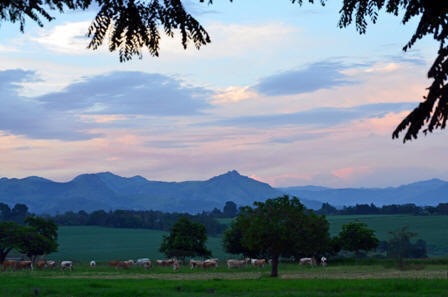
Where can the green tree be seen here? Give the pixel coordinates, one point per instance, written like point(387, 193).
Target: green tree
point(399, 243)
point(130, 25)
point(39, 237)
point(230, 209)
point(5, 212)
point(33, 244)
point(186, 239)
point(44, 227)
point(232, 238)
point(279, 227)
point(356, 237)
point(11, 235)
point(36, 239)
point(19, 212)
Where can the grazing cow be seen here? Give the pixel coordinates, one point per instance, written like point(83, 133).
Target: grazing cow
point(323, 261)
point(9, 263)
point(66, 265)
point(123, 264)
point(176, 265)
point(169, 262)
point(210, 264)
point(114, 263)
point(196, 263)
point(131, 262)
point(142, 260)
point(51, 264)
point(258, 262)
point(310, 261)
point(232, 263)
point(92, 263)
point(24, 264)
point(147, 264)
point(41, 264)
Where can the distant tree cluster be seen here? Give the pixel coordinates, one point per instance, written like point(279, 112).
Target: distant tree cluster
point(17, 214)
point(371, 209)
point(230, 210)
point(146, 219)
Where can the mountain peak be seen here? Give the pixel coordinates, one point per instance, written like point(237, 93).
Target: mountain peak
point(233, 172)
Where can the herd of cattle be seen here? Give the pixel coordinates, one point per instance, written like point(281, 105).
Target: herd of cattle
point(147, 263)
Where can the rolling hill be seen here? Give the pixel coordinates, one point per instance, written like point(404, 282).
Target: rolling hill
point(109, 191)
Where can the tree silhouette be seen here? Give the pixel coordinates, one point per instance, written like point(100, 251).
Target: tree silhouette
point(130, 25)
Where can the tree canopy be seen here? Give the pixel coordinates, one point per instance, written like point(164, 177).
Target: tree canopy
point(131, 25)
point(186, 239)
point(278, 227)
point(10, 238)
point(355, 237)
point(37, 238)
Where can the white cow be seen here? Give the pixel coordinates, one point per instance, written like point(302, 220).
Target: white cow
point(92, 264)
point(142, 260)
point(310, 261)
point(66, 265)
point(233, 263)
point(323, 261)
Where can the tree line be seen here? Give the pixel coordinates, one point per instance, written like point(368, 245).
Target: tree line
point(145, 219)
point(371, 209)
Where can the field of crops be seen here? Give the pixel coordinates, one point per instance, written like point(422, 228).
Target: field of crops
point(294, 280)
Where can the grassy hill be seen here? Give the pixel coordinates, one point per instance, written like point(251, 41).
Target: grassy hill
point(85, 243)
point(432, 229)
point(88, 242)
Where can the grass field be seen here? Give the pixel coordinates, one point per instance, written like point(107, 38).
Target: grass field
point(102, 281)
point(432, 229)
point(85, 243)
point(89, 242)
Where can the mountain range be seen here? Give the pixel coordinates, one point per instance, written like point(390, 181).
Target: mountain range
point(422, 193)
point(109, 191)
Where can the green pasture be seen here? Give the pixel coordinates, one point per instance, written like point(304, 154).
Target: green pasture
point(297, 281)
point(90, 242)
point(432, 229)
point(85, 243)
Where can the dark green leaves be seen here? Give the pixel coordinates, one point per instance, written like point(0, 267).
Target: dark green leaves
point(133, 25)
point(433, 111)
point(186, 239)
point(355, 236)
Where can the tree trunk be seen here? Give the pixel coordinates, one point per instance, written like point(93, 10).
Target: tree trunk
point(274, 268)
point(3, 254)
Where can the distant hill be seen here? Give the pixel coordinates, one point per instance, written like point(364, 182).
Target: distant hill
point(109, 191)
point(429, 192)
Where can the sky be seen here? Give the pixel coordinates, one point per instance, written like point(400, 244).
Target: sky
point(281, 95)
